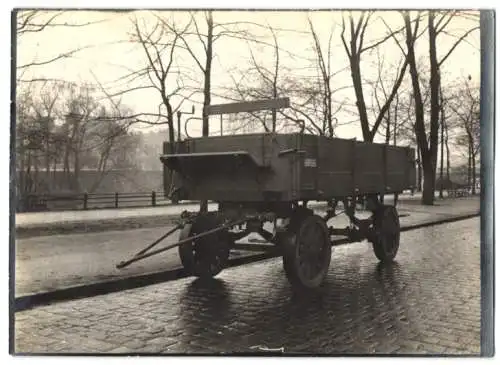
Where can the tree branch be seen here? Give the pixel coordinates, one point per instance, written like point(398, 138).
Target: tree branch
point(456, 44)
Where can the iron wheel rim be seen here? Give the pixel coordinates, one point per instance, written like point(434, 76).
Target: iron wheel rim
point(389, 231)
point(311, 242)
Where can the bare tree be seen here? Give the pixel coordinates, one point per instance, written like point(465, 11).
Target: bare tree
point(447, 145)
point(312, 96)
point(392, 117)
point(161, 41)
point(465, 106)
point(324, 66)
point(199, 39)
point(37, 142)
point(27, 144)
point(428, 144)
point(158, 70)
point(60, 124)
point(265, 83)
point(355, 48)
point(204, 63)
point(30, 22)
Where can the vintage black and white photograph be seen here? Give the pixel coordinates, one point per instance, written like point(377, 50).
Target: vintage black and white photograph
point(252, 182)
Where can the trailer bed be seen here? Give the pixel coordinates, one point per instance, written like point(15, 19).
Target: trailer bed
point(286, 167)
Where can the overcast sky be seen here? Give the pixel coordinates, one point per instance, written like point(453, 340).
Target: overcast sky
point(111, 56)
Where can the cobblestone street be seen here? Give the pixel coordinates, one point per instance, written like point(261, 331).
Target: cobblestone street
point(428, 302)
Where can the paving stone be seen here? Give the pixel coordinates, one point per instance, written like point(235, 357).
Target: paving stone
point(412, 306)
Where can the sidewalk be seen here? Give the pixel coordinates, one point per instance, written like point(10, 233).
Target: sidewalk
point(41, 218)
point(31, 219)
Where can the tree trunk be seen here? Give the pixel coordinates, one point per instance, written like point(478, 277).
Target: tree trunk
point(47, 159)
point(473, 174)
point(395, 131)
point(29, 180)
point(329, 106)
point(434, 121)
point(429, 180)
point(419, 170)
point(207, 73)
point(429, 185)
point(360, 99)
point(47, 146)
point(354, 52)
point(76, 173)
point(388, 129)
point(424, 153)
point(469, 167)
point(22, 178)
point(441, 172)
point(36, 178)
point(207, 87)
point(275, 95)
point(55, 182)
point(66, 172)
point(170, 120)
point(447, 152)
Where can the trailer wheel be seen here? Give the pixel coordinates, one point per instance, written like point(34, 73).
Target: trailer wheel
point(307, 252)
point(207, 256)
point(387, 233)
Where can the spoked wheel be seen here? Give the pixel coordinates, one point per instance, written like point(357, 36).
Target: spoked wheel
point(387, 233)
point(307, 253)
point(207, 256)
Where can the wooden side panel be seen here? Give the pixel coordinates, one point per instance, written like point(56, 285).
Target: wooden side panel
point(383, 168)
point(397, 171)
point(272, 181)
point(284, 178)
point(335, 162)
point(243, 186)
point(307, 166)
point(370, 168)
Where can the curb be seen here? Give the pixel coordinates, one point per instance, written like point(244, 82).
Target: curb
point(29, 301)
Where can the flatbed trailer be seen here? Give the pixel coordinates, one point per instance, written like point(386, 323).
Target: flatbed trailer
point(271, 177)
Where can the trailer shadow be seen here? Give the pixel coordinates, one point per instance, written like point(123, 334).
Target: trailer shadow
point(209, 298)
point(348, 312)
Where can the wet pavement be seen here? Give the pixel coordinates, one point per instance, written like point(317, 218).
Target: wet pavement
point(427, 302)
point(54, 262)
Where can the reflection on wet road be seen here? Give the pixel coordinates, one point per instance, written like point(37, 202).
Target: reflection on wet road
point(428, 301)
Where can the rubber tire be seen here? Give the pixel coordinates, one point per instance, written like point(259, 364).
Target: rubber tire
point(291, 251)
point(220, 242)
point(386, 212)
